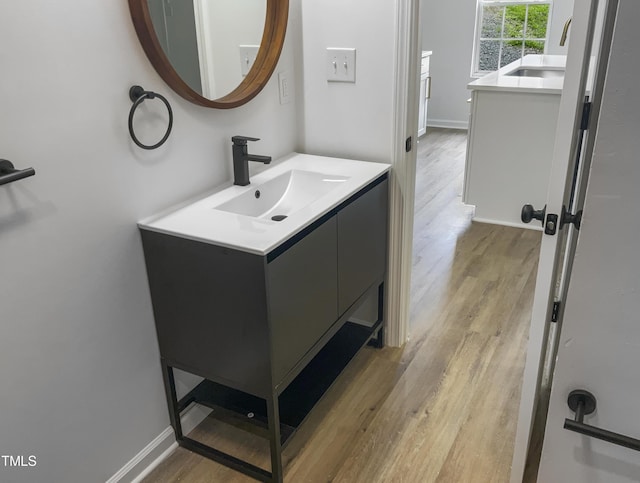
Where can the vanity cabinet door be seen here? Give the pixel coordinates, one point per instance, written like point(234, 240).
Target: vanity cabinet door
point(210, 307)
point(362, 244)
point(302, 285)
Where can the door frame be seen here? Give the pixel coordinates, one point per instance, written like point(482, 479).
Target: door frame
point(205, 54)
point(403, 172)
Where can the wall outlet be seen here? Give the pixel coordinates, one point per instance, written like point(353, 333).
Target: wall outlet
point(248, 54)
point(284, 87)
point(341, 65)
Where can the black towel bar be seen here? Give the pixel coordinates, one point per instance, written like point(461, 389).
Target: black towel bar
point(8, 174)
point(583, 402)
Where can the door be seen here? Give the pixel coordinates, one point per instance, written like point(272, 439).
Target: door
point(601, 329)
point(554, 244)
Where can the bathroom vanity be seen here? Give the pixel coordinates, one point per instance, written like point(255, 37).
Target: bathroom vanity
point(253, 289)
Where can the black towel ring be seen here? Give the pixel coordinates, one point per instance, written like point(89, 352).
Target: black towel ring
point(137, 95)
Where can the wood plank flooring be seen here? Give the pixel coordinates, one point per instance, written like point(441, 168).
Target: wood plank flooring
point(444, 407)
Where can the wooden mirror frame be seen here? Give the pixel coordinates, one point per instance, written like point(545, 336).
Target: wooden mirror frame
point(275, 29)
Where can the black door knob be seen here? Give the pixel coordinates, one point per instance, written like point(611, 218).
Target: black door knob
point(528, 214)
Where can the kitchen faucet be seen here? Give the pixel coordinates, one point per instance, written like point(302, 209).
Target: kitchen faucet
point(241, 158)
point(565, 32)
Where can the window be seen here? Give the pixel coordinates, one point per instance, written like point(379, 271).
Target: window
point(507, 30)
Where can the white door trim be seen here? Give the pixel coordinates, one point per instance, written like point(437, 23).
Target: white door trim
point(205, 52)
point(403, 172)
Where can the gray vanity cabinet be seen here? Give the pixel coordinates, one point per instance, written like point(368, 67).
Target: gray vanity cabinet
point(269, 333)
point(302, 293)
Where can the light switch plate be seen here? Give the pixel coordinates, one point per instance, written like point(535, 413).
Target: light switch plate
point(341, 65)
point(248, 54)
point(284, 87)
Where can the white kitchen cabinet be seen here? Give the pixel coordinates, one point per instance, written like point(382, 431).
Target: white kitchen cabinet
point(510, 146)
point(425, 91)
point(509, 154)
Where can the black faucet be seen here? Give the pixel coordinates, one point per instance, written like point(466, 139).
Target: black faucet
point(241, 158)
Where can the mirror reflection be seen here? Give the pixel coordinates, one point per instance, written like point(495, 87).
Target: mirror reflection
point(211, 44)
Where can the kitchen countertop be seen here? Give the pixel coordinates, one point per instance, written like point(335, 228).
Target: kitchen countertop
point(199, 219)
point(499, 81)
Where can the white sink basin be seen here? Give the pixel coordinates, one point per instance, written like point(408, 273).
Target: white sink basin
point(301, 188)
point(544, 73)
point(283, 195)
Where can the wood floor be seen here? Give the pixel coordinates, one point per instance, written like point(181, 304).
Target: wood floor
point(444, 407)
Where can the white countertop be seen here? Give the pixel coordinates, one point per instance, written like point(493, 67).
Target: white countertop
point(499, 81)
point(200, 221)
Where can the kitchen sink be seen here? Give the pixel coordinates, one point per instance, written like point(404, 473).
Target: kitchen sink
point(544, 73)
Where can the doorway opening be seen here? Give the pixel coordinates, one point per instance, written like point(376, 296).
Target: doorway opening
point(469, 278)
point(471, 297)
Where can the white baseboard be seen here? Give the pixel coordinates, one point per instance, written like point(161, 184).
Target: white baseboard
point(448, 124)
point(157, 450)
point(506, 223)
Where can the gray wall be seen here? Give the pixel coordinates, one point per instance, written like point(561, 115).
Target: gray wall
point(79, 373)
point(447, 30)
point(344, 119)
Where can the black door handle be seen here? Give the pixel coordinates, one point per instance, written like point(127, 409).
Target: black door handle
point(528, 214)
point(582, 403)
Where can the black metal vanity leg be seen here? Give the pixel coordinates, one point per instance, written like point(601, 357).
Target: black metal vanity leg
point(381, 315)
point(172, 400)
point(381, 301)
point(378, 340)
point(273, 417)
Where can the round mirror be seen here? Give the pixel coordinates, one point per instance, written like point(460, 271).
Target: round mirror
point(215, 53)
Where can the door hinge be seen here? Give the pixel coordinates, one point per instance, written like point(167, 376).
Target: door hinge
point(408, 144)
point(586, 116)
point(556, 311)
